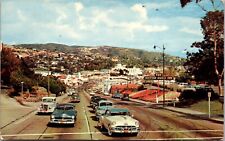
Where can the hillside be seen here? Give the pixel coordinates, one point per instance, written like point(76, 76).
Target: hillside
point(131, 57)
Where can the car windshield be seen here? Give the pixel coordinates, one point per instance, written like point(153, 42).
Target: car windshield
point(48, 100)
point(64, 108)
point(119, 113)
point(105, 104)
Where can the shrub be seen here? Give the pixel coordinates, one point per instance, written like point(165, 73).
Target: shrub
point(198, 94)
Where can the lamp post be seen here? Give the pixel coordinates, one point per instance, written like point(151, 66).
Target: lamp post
point(163, 55)
point(48, 74)
point(22, 87)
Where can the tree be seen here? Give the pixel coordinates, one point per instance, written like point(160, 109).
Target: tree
point(55, 85)
point(211, 49)
point(9, 63)
point(185, 2)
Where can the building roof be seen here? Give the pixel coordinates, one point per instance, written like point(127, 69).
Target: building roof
point(143, 93)
point(124, 86)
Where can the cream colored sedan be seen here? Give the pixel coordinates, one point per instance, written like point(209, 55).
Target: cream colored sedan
point(119, 120)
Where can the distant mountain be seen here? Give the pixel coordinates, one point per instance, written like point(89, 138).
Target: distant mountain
point(128, 56)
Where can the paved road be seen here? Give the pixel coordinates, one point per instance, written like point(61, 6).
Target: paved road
point(156, 123)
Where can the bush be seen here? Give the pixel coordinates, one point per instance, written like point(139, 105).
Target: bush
point(198, 94)
point(55, 86)
point(17, 77)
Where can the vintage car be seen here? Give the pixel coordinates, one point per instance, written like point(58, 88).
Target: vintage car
point(119, 120)
point(64, 114)
point(48, 105)
point(117, 95)
point(106, 93)
point(95, 102)
point(92, 99)
point(92, 93)
point(125, 97)
point(75, 99)
point(102, 106)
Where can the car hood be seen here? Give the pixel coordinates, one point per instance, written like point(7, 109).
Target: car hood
point(48, 103)
point(60, 113)
point(104, 107)
point(122, 120)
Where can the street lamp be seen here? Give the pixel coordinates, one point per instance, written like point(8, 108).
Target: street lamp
point(48, 73)
point(22, 87)
point(163, 55)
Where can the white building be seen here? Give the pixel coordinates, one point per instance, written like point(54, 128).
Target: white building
point(43, 72)
point(131, 71)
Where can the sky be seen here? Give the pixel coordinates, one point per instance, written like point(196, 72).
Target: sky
point(139, 24)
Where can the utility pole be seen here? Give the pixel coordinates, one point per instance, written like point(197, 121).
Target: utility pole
point(163, 73)
point(22, 87)
point(163, 77)
point(48, 74)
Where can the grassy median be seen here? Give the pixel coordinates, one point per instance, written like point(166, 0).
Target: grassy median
point(202, 106)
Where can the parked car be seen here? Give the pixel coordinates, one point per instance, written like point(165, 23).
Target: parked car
point(48, 105)
point(64, 114)
point(117, 95)
point(119, 120)
point(75, 99)
point(125, 97)
point(106, 93)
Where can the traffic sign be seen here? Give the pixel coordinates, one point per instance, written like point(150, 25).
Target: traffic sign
point(158, 78)
point(209, 94)
point(158, 74)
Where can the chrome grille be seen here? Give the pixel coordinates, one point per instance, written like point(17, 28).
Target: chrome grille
point(125, 128)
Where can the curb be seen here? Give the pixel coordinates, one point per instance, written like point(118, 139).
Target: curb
point(30, 112)
point(205, 118)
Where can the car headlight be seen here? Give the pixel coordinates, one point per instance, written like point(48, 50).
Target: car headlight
point(52, 116)
point(137, 123)
point(73, 116)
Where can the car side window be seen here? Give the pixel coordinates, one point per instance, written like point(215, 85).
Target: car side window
point(68, 108)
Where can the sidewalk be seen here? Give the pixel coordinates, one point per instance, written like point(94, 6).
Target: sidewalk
point(11, 110)
point(214, 118)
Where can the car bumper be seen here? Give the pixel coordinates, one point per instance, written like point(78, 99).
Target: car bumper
point(125, 131)
point(44, 112)
point(58, 121)
point(74, 101)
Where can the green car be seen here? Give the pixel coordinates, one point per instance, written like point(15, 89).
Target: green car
point(64, 114)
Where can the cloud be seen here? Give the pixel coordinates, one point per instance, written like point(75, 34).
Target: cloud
point(141, 10)
point(78, 6)
point(120, 23)
point(191, 31)
point(61, 15)
point(102, 19)
point(133, 26)
point(21, 16)
point(162, 5)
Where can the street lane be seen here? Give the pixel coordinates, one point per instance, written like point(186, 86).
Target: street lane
point(79, 131)
point(156, 123)
point(159, 123)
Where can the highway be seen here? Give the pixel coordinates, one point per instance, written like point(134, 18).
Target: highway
point(156, 124)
